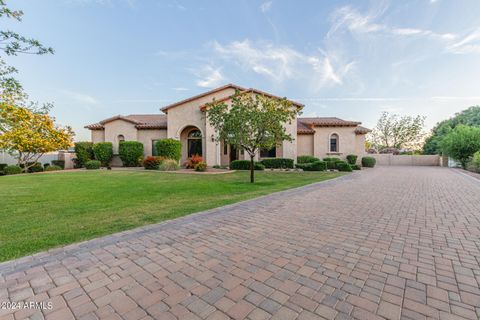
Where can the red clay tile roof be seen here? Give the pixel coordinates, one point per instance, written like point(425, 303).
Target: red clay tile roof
point(328, 122)
point(362, 130)
point(303, 128)
point(141, 121)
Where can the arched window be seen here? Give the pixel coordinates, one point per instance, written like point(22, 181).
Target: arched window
point(194, 143)
point(120, 138)
point(334, 145)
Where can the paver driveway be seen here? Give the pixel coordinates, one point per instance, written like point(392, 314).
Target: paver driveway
point(398, 242)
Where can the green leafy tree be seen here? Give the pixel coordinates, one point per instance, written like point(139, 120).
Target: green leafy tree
point(252, 122)
point(469, 117)
point(395, 131)
point(461, 143)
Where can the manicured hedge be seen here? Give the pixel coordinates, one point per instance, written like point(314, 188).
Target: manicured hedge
point(83, 153)
point(332, 159)
point(59, 163)
point(92, 164)
point(313, 166)
point(277, 163)
point(131, 153)
point(355, 167)
point(169, 149)
point(53, 168)
point(12, 170)
point(103, 152)
point(306, 159)
point(36, 168)
point(352, 159)
point(245, 165)
point(343, 166)
point(368, 162)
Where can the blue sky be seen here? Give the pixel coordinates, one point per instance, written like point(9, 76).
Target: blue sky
point(351, 59)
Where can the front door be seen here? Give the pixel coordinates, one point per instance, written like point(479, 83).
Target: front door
point(233, 153)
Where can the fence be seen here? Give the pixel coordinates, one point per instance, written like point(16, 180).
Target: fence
point(406, 160)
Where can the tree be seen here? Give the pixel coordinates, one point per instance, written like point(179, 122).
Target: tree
point(461, 143)
point(27, 135)
point(252, 122)
point(469, 117)
point(394, 131)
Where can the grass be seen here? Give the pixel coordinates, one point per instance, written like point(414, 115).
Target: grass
point(42, 211)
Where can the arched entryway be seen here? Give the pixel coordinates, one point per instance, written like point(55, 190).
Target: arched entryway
point(192, 142)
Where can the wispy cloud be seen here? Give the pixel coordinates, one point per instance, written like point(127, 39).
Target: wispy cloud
point(209, 76)
point(468, 44)
point(456, 98)
point(79, 97)
point(280, 63)
point(266, 6)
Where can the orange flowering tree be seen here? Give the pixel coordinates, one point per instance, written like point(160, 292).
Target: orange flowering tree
point(27, 134)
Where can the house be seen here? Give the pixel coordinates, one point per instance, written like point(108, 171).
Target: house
point(186, 121)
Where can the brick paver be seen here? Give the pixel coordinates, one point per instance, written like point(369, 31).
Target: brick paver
point(391, 242)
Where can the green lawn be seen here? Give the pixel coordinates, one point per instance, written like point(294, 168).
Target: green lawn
point(41, 211)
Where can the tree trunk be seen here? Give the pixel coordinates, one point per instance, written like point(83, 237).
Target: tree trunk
point(252, 170)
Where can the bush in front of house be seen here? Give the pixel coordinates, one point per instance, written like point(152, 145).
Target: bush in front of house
point(368, 162)
point(8, 170)
point(59, 163)
point(201, 166)
point(131, 153)
point(37, 167)
point(245, 165)
point(152, 163)
point(355, 167)
point(352, 159)
point(343, 166)
point(83, 153)
point(193, 161)
point(277, 163)
point(103, 152)
point(306, 159)
point(313, 166)
point(53, 168)
point(93, 164)
point(169, 149)
point(169, 165)
point(333, 159)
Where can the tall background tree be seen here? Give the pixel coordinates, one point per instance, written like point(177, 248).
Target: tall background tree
point(468, 117)
point(461, 143)
point(395, 131)
point(252, 122)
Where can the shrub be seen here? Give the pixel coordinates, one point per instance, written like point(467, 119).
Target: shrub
point(3, 166)
point(169, 165)
point(46, 165)
point(355, 167)
point(201, 166)
point(306, 159)
point(245, 165)
point(476, 159)
point(83, 153)
point(169, 149)
point(53, 168)
point(152, 163)
point(368, 162)
point(313, 166)
point(219, 167)
point(352, 159)
point(103, 152)
point(331, 159)
point(131, 153)
point(343, 166)
point(92, 164)
point(193, 161)
point(59, 163)
point(37, 167)
point(277, 163)
point(12, 170)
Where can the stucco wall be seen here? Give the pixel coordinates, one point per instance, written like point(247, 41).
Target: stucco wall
point(406, 160)
point(305, 145)
point(147, 136)
point(98, 136)
point(289, 148)
point(119, 127)
point(348, 142)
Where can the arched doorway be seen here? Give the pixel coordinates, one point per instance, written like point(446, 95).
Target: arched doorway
point(191, 138)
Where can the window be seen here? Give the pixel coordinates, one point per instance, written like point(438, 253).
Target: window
point(154, 148)
point(334, 143)
point(120, 138)
point(225, 148)
point(194, 141)
point(265, 153)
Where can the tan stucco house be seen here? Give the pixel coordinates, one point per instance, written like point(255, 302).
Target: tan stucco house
point(185, 120)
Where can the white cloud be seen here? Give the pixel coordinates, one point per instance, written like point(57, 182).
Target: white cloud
point(266, 6)
point(280, 63)
point(469, 44)
point(80, 97)
point(209, 77)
